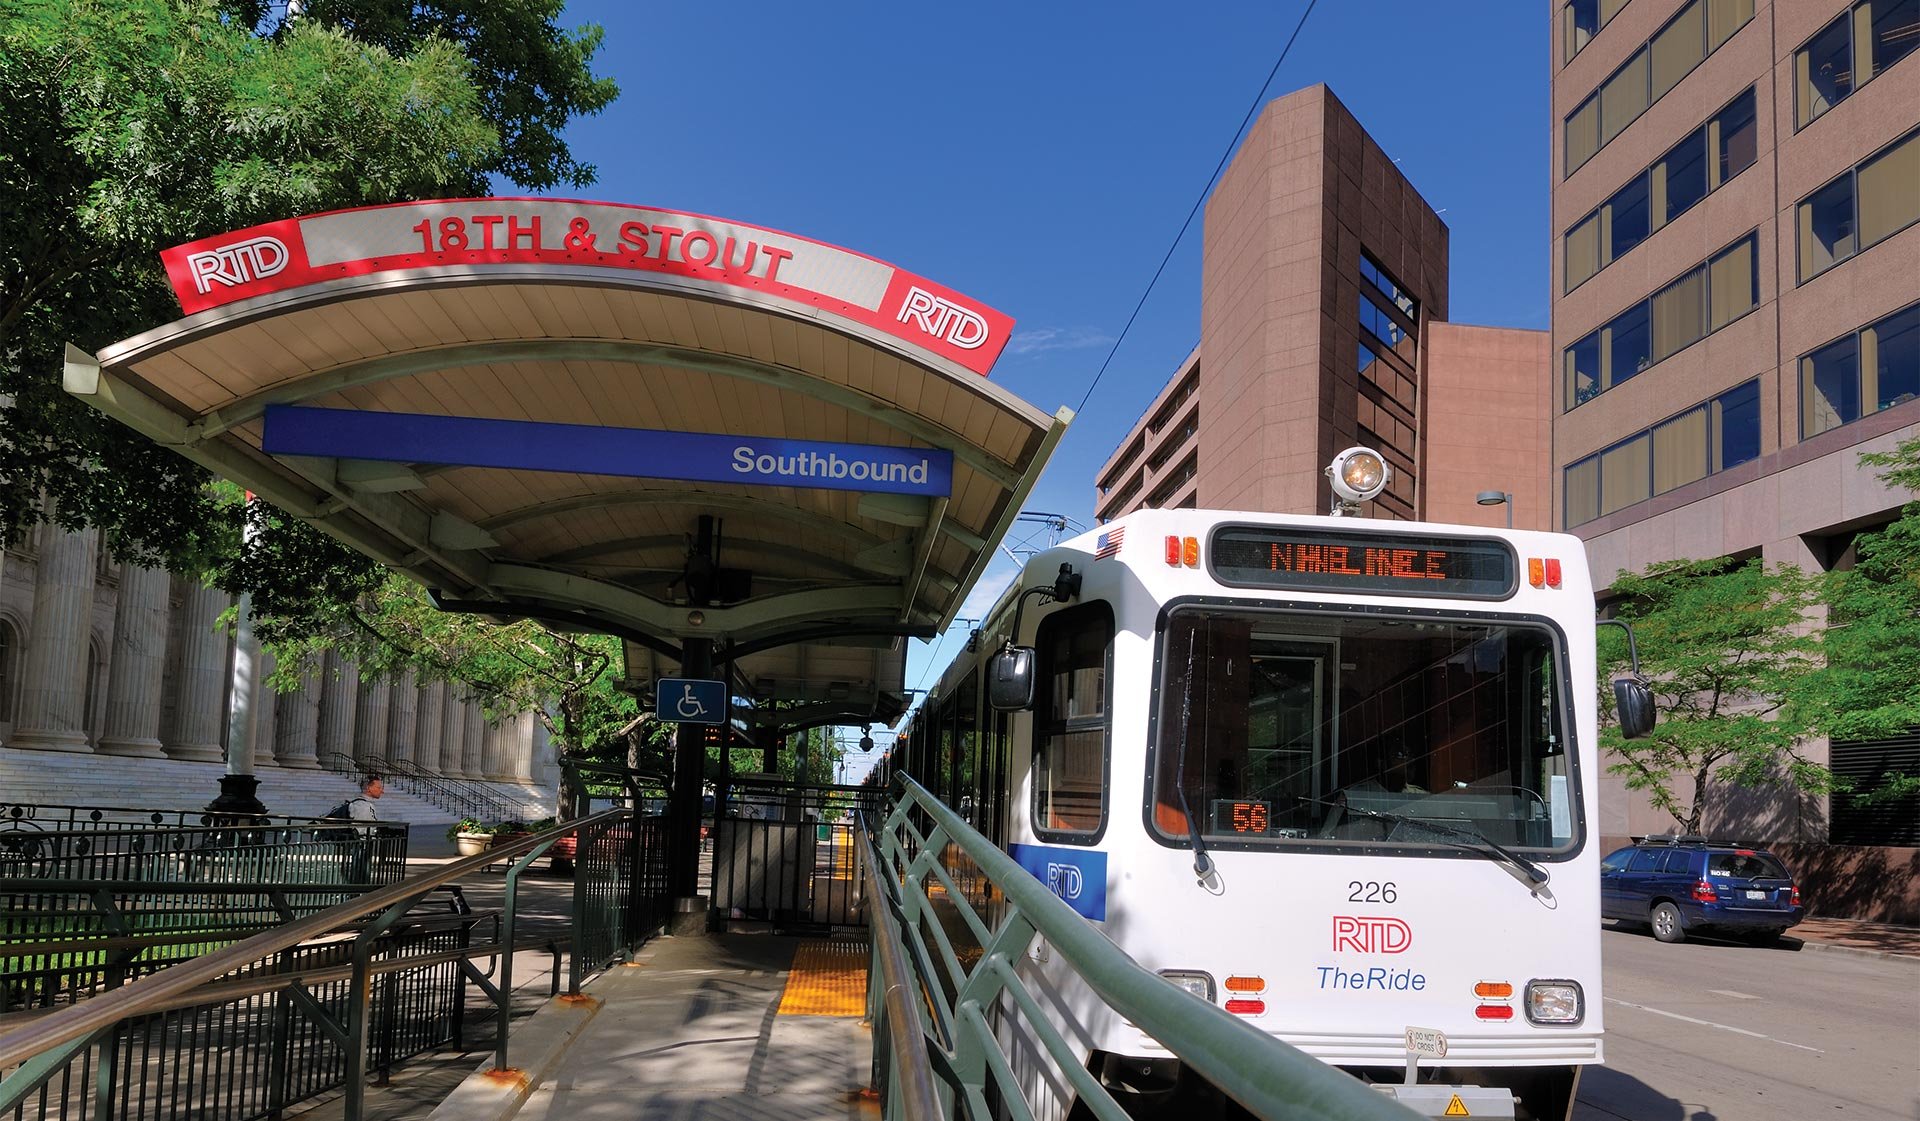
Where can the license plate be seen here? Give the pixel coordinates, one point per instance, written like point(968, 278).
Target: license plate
point(1756, 895)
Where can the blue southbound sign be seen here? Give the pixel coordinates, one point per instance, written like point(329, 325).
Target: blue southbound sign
point(1078, 876)
point(597, 450)
point(689, 700)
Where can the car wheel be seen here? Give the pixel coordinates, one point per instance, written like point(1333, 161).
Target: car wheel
point(1665, 918)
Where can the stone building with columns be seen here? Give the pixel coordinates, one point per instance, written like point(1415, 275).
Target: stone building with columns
point(115, 688)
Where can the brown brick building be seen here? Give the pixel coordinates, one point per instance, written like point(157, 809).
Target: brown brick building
point(1736, 308)
point(1323, 325)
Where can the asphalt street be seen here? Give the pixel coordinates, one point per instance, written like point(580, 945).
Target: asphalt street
point(1722, 1031)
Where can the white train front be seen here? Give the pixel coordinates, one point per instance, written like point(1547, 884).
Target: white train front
point(1333, 774)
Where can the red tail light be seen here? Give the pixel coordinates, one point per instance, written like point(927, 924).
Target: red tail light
point(1795, 889)
point(1246, 1007)
point(1173, 550)
point(1703, 893)
point(1494, 1011)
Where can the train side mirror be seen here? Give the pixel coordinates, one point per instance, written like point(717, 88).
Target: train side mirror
point(1633, 702)
point(1010, 679)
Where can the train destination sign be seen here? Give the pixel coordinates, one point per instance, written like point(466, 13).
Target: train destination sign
point(463, 236)
point(1337, 561)
point(597, 450)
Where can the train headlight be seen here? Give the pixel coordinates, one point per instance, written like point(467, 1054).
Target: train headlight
point(1359, 474)
point(1555, 1002)
point(1195, 982)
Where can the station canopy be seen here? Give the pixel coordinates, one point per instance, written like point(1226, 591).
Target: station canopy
point(657, 425)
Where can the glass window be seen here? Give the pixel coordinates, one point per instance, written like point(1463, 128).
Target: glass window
point(1583, 251)
point(1625, 218)
point(1581, 22)
point(1888, 187)
point(1616, 860)
point(1583, 491)
point(1680, 314)
point(1895, 344)
point(1680, 178)
point(1736, 426)
point(1678, 48)
point(1734, 282)
point(1626, 474)
point(1724, 17)
point(1583, 370)
point(1823, 69)
point(1745, 866)
point(1630, 338)
point(1680, 450)
point(1736, 138)
point(1367, 357)
point(1826, 227)
point(1645, 860)
point(1830, 386)
point(1290, 725)
point(1895, 28)
point(1677, 862)
point(1070, 726)
point(1384, 327)
point(1378, 278)
point(1583, 133)
point(1624, 97)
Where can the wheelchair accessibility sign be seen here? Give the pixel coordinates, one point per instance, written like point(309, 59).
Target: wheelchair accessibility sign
point(683, 700)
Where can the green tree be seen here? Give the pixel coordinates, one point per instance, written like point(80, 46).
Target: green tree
point(1725, 648)
point(130, 125)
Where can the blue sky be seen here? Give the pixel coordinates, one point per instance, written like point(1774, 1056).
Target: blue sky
point(1041, 156)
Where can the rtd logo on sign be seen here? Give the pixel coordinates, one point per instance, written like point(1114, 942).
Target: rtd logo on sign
point(943, 319)
point(238, 263)
point(1371, 934)
point(1065, 881)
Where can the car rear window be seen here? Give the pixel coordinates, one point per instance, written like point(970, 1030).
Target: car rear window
point(1745, 866)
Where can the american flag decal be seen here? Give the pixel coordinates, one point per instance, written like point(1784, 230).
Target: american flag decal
point(1109, 543)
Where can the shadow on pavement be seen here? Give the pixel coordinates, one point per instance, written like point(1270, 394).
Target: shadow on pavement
point(1606, 1094)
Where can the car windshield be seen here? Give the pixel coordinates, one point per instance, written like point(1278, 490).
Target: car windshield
point(1298, 728)
point(1745, 866)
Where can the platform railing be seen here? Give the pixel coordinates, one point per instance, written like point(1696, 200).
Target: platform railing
point(962, 915)
point(244, 1031)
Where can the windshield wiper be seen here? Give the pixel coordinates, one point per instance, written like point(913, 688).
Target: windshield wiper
point(1530, 874)
point(1202, 863)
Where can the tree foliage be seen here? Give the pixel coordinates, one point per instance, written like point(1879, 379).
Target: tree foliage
point(130, 125)
point(1725, 649)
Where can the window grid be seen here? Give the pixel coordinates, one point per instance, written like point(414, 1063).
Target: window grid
point(1719, 433)
point(1856, 47)
point(1834, 223)
point(1859, 374)
point(1681, 44)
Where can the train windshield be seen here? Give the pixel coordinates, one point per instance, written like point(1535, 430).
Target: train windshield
point(1282, 729)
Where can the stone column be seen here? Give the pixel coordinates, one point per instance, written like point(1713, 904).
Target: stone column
point(370, 723)
point(515, 741)
point(339, 699)
point(296, 724)
point(52, 715)
point(427, 727)
point(453, 733)
point(201, 707)
point(474, 752)
point(139, 662)
point(401, 710)
point(266, 707)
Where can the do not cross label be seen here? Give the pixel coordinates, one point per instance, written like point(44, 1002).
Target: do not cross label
point(688, 700)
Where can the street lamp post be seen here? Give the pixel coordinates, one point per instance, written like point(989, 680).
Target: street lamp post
point(1497, 498)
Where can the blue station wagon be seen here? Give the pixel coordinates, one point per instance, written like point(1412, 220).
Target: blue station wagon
point(1682, 885)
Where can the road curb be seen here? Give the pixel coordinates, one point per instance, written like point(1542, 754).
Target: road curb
point(535, 1048)
point(1857, 951)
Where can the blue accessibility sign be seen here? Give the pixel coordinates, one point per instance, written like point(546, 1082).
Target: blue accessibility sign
point(687, 700)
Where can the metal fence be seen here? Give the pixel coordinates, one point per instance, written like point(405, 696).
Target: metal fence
point(783, 854)
point(947, 993)
point(321, 1000)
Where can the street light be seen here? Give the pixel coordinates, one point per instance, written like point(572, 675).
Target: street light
point(1497, 498)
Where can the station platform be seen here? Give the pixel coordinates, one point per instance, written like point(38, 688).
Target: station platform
point(703, 1028)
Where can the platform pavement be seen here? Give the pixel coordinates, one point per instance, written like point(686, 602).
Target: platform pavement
point(1857, 936)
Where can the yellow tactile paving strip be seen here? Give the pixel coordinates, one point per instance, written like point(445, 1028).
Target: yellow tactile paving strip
point(826, 979)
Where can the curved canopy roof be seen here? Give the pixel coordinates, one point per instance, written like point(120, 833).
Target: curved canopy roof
point(530, 405)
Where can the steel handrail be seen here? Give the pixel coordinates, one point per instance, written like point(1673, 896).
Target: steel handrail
point(1267, 1076)
point(912, 1071)
point(145, 994)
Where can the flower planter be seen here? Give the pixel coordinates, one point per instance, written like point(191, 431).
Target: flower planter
point(472, 844)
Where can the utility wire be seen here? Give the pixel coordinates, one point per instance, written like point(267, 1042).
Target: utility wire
point(1197, 203)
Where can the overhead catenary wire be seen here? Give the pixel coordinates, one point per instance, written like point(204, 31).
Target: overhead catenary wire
point(1197, 203)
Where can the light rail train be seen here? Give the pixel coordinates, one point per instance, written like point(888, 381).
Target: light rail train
point(1336, 775)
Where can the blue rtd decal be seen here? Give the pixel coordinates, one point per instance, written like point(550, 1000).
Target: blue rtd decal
point(1078, 876)
point(589, 449)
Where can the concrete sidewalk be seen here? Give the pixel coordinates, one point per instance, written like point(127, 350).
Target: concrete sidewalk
point(693, 1031)
point(1877, 939)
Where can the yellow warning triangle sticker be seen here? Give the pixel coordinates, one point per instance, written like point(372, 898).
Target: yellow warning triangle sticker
point(1456, 1108)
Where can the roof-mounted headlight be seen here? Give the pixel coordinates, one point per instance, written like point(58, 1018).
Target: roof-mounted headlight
point(1358, 475)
